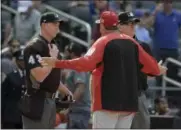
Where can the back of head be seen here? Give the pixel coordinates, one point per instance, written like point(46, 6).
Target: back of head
point(126, 17)
point(108, 20)
point(76, 49)
point(19, 54)
point(14, 45)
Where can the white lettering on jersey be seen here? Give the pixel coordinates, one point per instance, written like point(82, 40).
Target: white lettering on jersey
point(38, 57)
point(31, 60)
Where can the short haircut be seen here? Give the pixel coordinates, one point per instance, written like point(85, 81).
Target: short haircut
point(111, 28)
point(11, 41)
point(76, 49)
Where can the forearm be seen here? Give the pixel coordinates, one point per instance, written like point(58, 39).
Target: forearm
point(88, 62)
point(150, 65)
point(79, 64)
point(47, 71)
point(147, 49)
point(41, 73)
point(63, 89)
point(151, 68)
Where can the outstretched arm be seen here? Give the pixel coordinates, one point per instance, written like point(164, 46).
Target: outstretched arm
point(86, 63)
point(150, 65)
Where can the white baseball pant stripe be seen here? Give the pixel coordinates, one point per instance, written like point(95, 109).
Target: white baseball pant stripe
point(112, 120)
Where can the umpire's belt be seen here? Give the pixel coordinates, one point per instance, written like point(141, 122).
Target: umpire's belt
point(49, 95)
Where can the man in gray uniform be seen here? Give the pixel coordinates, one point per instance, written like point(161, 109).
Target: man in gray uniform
point(126, 25)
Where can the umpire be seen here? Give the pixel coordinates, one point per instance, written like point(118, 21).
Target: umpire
point(38, 105)
point(127, 22)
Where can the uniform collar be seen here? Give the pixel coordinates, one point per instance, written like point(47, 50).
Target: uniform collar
point(171, 13)
point(43, 39)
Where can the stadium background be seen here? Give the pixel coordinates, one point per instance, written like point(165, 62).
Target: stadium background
point(79, 28)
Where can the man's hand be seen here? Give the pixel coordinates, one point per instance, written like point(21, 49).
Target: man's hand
point(48, 61)
point(162, 68)
point(65, 91)
point(53, 50)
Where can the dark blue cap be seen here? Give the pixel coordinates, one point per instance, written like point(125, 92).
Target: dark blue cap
point(125, 17)
point(50, 17)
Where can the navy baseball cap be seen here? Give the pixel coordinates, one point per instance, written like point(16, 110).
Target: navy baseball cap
point(126, 17)
point(50, 17)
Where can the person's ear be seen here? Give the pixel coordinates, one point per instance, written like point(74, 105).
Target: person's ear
point(118, 26)
point(121, 27)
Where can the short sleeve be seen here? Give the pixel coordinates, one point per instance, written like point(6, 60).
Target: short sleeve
point(79, 77)
point(31, 59)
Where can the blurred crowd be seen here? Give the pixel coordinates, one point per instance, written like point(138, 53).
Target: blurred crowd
point(17, 30)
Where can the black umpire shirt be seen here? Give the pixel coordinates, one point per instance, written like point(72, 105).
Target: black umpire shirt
point(36, 49)
point(143, 76)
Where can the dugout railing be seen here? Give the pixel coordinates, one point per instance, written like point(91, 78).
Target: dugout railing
point(87, 26)
point(166, 79)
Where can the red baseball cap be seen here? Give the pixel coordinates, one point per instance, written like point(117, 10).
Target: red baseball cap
point(108, 18)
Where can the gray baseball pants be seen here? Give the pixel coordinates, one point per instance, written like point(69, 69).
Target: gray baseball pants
point(48, 117)
point(142, 117)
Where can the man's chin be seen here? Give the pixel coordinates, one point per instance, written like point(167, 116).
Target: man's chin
point(54, 36)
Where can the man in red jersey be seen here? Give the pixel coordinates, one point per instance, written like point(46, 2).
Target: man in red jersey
point(114, 61)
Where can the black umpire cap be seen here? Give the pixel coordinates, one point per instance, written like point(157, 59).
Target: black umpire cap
point(126, 17)
point(50, 17)
point(19, 54)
